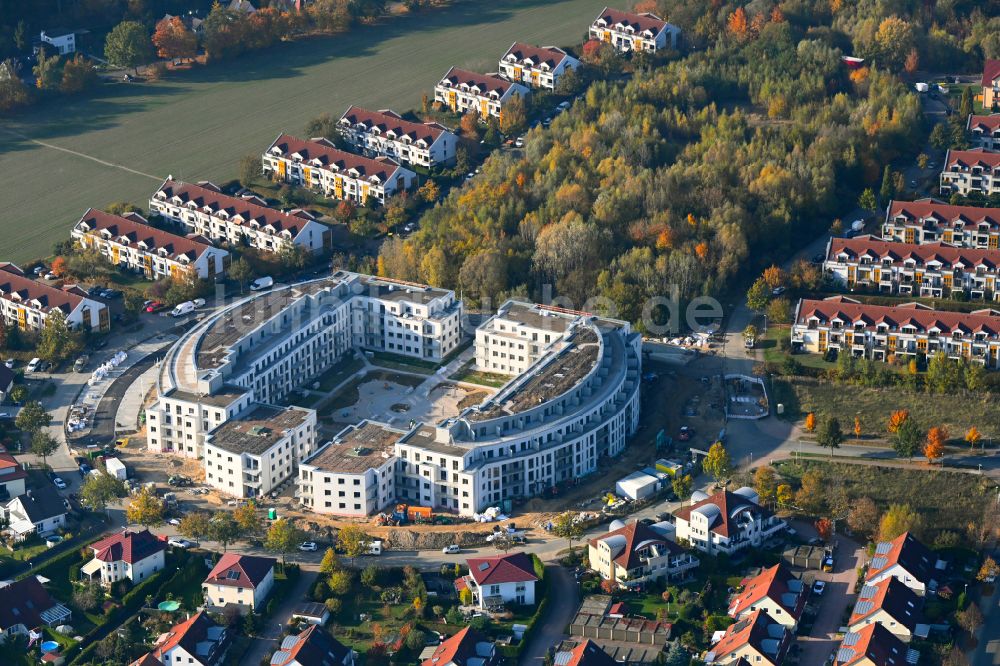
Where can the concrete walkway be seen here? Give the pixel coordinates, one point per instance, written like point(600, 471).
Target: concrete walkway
point(563, 596)
point(269, 637)
point(131, 403)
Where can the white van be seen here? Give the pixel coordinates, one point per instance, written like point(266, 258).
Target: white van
point(375, 547)
point(182, 309)
point(33, 364)
point(262, 283)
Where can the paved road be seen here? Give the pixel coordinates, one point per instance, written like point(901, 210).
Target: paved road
point(987, 651)
point(563, 601)
point(839, 594)
point(269, 636)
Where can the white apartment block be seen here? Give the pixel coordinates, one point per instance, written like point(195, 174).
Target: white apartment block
point(204, 210)
point(984, 131)
point(971, 172)
point(252, 455)
point(260, 349)
point(27, 303)
point(933, 270)
point(319, 165)
point(726, 522)
point(386, 133)
point(130, 242)
point(536, 66)
point(929, 221)
point(576, 406)
point(519, 334)
point(635, 555)
point(62, 41)
point(629, 32)
point(353, 475)
point(881, 332)
point(463, 91)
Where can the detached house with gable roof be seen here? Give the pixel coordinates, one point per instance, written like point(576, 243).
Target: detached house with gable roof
point(984, 131)
point(504, 579)
point(468, 647)
point(874, 645)
point(585, 653)
point(536, 66)
point(242, 580)
point(991, 85)
point(974, 171)
point(26, 605)
point(629, 32)
point(198, 641)
point(129, 241)
point(908, 560)
point(756, 638)
point(26, 303)
point(929, 221)
point(12, 476)
point(934, 270)
point(40, 511)
point(205, 210)
point(893, 605)
point(386, 133)
point(318, 164)
point(726, 522)
point(134, 556)
point(463, 91)
point(776, 591)
point(637, 554)
point(312, 647)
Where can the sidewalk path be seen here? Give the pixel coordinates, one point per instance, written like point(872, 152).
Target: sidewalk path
point(269, 637)
point(563, 600)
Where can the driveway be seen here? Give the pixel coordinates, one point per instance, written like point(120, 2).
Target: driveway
point(269, 636)
point(839, 595)
point(563, 596)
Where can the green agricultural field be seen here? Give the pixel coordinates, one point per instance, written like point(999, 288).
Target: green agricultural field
point(119, 144)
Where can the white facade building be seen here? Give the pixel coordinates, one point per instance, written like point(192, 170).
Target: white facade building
point(968, 172)
point(929, 221)
point(26, 303)
point(386, 133)
point(629, 32)
point(536, 66)
point(499, 580)
point(726, 522)
point(63, 41)
point(241, 580)
point(984, 131)
point(132, 556)
point(463, 91)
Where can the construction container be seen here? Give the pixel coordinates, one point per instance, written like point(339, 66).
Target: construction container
point(416, 514)
point(637, 486)
point(668, 466)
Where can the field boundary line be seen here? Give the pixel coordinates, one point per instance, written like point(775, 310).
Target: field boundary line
point(113, 165)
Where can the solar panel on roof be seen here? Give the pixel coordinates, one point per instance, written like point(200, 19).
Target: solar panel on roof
point(233, 575)
point(863, 607)
point(868, 591)
point(280, 657)
point(845, 654)
point(851, 638)
point(879, 562)
point(883, 547)
point(483, 566)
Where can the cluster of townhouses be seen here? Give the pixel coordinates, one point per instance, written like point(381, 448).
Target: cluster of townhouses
point(26, 303)
point(574, 403)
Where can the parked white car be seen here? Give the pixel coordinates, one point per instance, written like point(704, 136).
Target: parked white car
point(453, 549)
point(262, 283)
point(180, 543)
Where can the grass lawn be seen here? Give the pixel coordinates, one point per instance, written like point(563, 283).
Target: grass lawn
point(351, 394)
point(773, 354)
point(404, 363)
point(186, 126)
point(330, 379)
point(468, 373)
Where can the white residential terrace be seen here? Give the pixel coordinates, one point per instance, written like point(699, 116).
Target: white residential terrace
point(536, 66)
point(726, 522)
point(463, 91)
point(929, 221)
point(386, 133)
point(206, 211)
point(27, 303)
point(318, 164)
point(261, 348)
point(629, 32)
point(129, 241)
point(880, 332)
point(984, 131)
point(968, 172)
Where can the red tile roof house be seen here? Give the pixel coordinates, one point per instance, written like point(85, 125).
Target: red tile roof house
point(991, 85)
point(984, 131)
point(726, 522)
point(629, 32)
point(386, 133)
point(198, 641)
point(874, 645)
point(127, 555)
point(586, 653)
point(504, 579)
point(466, 648)
point(463, 91)
point(908, 560)
point(637, 554)
point(313, 647)
point(12, 476)
point(204, 210)
point(774, 590)
point(319, 164)
point(929, 220)
point(26, 605)
point(756, 637)
point(972, 171)
point(243, 580)
point(891, 604)
point(536, 66)
point(26, 303)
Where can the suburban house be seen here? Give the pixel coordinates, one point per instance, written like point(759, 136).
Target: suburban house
point(503, 579)
point(243, 580)
point(536, 66)
point(7, 377)
point(463, 91)
point(12, 476)
point(929, 220)
point(874, 645)
point(134, 556)
point(26, 605)
point(756, 638)
point(63, 41)
point(893, 605)
point(468, 647)
point(386, 133)
point(974, 171)
point(585, 653)
point(198, 641)
point(726, 522)
point(774, 590)
point(637, 554)
point(204, 210)
point(40, 511)
point(319, 164)
point(252, 455)
point(991, 85)
point(881, 332)
point(129, 241)
point(984, 131)
point(242, 6)
point(908, 560)
point(26, 303)
point(935, 270)
point(312, 647)
point(629, 32)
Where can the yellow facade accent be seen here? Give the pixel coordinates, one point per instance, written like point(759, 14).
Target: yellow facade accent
point(822, 341)
point(484, 108)
point(453, 100)
point(282, 169)
point(947, 281)
point(946, 237)
point(993, 242)
point(851, 275)
point(877, 275)
point(364, 193)
point(306, 176)
point(518, 73)
point(115, 254)
point(534, 78)
point(22, 319)
point(892, 342)
point(147, 263)
point(338, 187)
point(908, 235)
point(922, 346)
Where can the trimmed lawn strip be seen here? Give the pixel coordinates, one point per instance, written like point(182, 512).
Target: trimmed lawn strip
point(467, 373)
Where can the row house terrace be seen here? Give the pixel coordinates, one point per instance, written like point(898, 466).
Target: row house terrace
point(934, 270)
point(129, 241)
point(968, 172)
point(463, 91)
point(984, 131)
point(205, 210)
point(880, 331)
point(930, 220)
point(536, 66)
point(318, 164)
point(27, 303)
point(629, 32)
point(388, 134)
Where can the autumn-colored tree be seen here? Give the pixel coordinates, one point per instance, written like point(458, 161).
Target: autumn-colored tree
point(934, 447)
point(644, 6)
point(717, 462)
point(864, 516)
point(172, 39)
point(470, 123)
point(912, 61)
point(737, 24)
point(777, 16)
point(608, 586)
point(896, 420)
point(810, 424)
point(59, 266)
point(824, 528)
point(774, 277)
point(989, 571)
point(898, 518)
point(857, 427)
point(765, 483)
point(784, 494)
point(79, 74)
point(973, 437)
point(429, 191)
